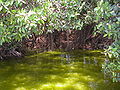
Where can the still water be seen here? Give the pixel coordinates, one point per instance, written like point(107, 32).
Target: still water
point(54, 70)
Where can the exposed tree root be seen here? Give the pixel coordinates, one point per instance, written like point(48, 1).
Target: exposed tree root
point(74, 40)
point(66, 40)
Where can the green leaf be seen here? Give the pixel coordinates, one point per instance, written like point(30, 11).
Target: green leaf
point(114, 49)
point(105, 35)
point(109, 26)
point(1, 8)
point(0, 1)
point(41, 21)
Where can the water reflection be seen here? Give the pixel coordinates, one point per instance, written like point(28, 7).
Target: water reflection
point(56, 71)
point(67, 57)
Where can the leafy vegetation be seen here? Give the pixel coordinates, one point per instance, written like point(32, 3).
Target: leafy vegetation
point(108, 18)
point(21, 18)
point(112, 69)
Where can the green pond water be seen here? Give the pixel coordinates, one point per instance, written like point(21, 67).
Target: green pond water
point(54, 70)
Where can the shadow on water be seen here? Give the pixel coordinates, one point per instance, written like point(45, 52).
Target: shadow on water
point(77, 70)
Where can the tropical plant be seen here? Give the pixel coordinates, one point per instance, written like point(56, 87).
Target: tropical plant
point(21, 18)
point(108, 21)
